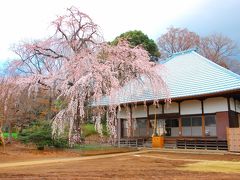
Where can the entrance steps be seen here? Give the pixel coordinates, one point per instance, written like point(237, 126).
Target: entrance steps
point(170, 146)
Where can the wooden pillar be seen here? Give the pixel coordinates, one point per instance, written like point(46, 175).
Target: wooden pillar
point(162, 108)
point(164, 127)
point(203, 119)
point(238, 119)
point(179, 119)
point(235, 105)
point(119, 131)
point(229, 112)
point(131, 119)
point(148, 122)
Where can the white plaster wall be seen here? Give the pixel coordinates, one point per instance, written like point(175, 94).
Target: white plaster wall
point(171, 108)
point(191, 107)
point(238, 106)
point(139, 111)
point(232, 106)
point(153, 109)
point(122, 113)
point(213, 105)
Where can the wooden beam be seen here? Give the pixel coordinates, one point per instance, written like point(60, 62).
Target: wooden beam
point(235, 105)
point(119, 131)
point(162, 108)
point(131, 119)
point(203, 119)
point(225, 93)
point(228, 102)
point(229, 111)
point(163, 116)
point(148, 122)
point(179, 119)
point(180, 126)
point(179, 107)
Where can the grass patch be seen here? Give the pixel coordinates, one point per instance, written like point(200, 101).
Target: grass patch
point(88, 130)
point(88, 147)
point(14, 135)
point(213, 166)
point(97, 149)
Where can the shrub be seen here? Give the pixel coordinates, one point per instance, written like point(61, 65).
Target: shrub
point(14, 135)
point(88, 129)
point(40, 134)
point(60, 142)
point(105, 130)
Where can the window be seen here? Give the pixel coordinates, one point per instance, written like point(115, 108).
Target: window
point(172, 127)
point(140, 129)
point(210, 125)
point(192, 126)
point(125, 127)
point(186, 126)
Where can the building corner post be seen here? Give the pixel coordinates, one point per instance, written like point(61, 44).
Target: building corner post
point(119, 131)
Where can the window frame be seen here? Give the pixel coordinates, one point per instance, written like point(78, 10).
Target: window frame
point(215, 126)
point(171, 126)
point(191, 125)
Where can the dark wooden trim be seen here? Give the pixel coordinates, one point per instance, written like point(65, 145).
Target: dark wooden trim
point(140, 118)
point(179, 119)
point(174, 138)
point(179, 107)
point(162, 108)
point(228, 103)
point(202, 106)
point(164, 116)
point(122, 127)
point(148, 122)
point(229, 109)
point(197, 97)
point(131, 119)
point(189, 137)
point(173, 115)
point(180, 126)
point(118, 131)
point(187, 115)
point(235, 105)
point(203, 119)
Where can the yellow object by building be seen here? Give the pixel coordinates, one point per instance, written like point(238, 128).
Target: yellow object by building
point(157, 142)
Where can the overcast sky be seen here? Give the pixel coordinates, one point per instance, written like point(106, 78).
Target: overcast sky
point(30, 19)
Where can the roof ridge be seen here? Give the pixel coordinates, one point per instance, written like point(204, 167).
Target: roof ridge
point(178, 54)
point(185, 51)
point(218, 66)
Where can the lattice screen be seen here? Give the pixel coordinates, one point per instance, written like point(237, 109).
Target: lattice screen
point(233, 138)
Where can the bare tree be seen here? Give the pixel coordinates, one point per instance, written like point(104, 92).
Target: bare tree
point(2, 141)
point(234, 65)
point(218, 48)
point(31, 61)
point(177, 39)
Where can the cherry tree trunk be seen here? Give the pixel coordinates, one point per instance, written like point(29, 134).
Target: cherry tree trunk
point(9, 133)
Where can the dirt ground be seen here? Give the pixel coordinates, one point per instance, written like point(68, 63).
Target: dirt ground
point(133, 165)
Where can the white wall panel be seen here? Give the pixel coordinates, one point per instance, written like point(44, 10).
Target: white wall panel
point(171, 108)
point(122, 113)
point(191, 107)
point(153, 109)
point(139, 111)
point(213, 105)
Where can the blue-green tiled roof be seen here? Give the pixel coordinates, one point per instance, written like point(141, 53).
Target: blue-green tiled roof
point(186, 74)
